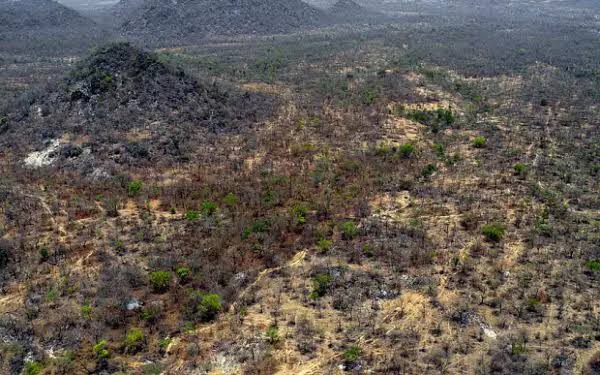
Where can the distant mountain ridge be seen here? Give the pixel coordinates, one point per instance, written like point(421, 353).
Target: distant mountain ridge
point(159, 20)
point(32, 26)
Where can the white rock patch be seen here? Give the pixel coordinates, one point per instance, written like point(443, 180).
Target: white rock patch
point(39, 159)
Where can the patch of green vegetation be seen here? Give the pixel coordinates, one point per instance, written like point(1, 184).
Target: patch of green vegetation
point(352, 354)
point(164, 343)
point(272, 334)
point(134, 340)
point(208, 208)
point(349, 230)
point(134, 187)
point(192, 215)
point(479, 142)
point(493, 231)
point(520, 169)
point(518, 348)
point(436, 120)
point(101, 349)
point(32, 368)
point(324, 245)
point(593, 265)
point(259, 226)
point(321, 284)
point(369, 96)
point(160, 280)
point(406, 150)
point(209, 306)
point(299, 212)
point(153, 369)
point(428, 170)
point(231, 200)
point(86, 310)
point(183, 273)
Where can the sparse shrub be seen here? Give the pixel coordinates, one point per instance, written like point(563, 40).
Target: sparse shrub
point(349, 230)
point(160, 280)
point(164, 343)
point(542, 227)
point(369, 96)
point(259, 226)
point(439, 150)
point(593, 265)
point(352, 354)
point(493, 232)
point(134, 187)
point(86, 310)
point(479, 142)
point(32, 368)
point(428, 170)
point(406, 150)
point(208, 208)
point(299, 212)
point(183, 273)
point(209, 306)
point(520, 169)
point(321, 284)
point(272, 335)
point(324, 245)
point(134, 340)
point(101, 349)
point(44, 254)
point(231, 200)
point(192, 215)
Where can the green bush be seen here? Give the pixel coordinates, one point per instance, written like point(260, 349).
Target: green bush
point(192, 215)
point(272, 334)
point(406, 150)
point(324, 245)
point(593, 265)
point(208, 208)
point(494, 231)
point(101, 349)
point(231, 200)
point(299, 212)
point(259, 226)
point(520, 169)
point(86, 310)
point(183, 273)
point(160, 280)
point(209, 306)
point(479, 142)
point(32, 368)
point(349, 230)
point(321, 284)
point(134, 340)
point(352, 354)
point(428, 170)
point(164, 343)
point(134, 187)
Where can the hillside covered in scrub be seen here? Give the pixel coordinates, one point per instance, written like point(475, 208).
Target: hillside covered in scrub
point(418, 196)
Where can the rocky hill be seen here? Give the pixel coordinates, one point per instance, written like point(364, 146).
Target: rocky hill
point(121, 106)
point(35, 25)
point(160, 21)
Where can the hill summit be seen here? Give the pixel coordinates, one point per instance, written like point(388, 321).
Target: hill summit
point(30, 25)
point(123, 104)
